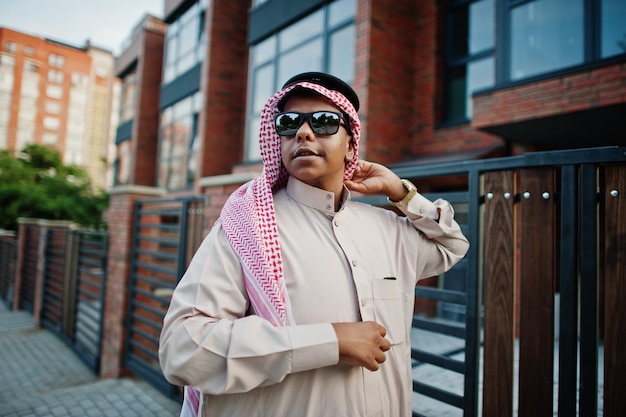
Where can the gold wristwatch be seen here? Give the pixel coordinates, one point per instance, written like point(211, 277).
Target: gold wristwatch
point(412, 190)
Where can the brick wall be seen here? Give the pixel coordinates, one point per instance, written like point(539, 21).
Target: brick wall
point(146, 121)
point(399, 77)
point(223, 84)
point(568, 93)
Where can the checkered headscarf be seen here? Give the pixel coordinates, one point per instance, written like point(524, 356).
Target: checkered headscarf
point(249, 220)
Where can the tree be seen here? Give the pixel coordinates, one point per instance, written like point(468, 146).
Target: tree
point(36, 184)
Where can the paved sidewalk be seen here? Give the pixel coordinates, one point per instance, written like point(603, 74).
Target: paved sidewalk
point(41, 376)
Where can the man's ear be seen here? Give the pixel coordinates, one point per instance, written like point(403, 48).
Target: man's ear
point(349, 151)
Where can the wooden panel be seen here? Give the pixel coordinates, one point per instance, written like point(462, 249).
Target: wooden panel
point(499, 295)
point(615, 292)
point(537, 253)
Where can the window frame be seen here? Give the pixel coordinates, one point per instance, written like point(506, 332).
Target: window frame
point(502, 50)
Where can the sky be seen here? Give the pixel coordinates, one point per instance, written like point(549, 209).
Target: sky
point(106, 23)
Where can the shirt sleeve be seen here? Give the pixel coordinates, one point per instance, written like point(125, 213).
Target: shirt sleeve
point(209, 340)
point(445, 243)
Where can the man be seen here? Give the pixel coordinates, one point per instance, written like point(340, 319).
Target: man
point(299, 301)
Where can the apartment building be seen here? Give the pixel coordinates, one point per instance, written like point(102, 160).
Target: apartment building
point(56, 94)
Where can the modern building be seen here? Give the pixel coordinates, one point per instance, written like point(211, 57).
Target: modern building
point(438, 80)
point(52, 93)
point(139, 70)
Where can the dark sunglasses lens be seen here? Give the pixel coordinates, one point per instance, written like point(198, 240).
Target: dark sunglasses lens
point(325, 123)
point(287, 124)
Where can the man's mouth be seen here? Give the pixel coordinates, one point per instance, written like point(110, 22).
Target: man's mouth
point(304, 152)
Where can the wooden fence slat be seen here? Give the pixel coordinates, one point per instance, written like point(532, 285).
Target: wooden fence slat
point(536, 356)
point(615, 292)
point(499, 297)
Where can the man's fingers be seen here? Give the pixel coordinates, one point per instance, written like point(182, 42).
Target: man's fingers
point(382, 330)
point(385, 345)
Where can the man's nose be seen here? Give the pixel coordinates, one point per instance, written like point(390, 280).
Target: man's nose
point(304, 132)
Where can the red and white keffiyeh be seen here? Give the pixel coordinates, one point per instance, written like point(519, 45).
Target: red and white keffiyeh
point(249, 221)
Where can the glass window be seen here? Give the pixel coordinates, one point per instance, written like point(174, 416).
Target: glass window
point(300, 31)
point(31, 66)
point(613, 27)
point(185, 42)
point(473, 28)
point(11, 47)
point(178, 145)
point(53, 107)
point(127, 108)
point(340, 11)
point(471, 62)
point(55, 60)
point(306, 58)
point(7, 60)
point(29, 50)
point(264, 51)
point(6, 79)
point(263, 85)
point(55, 76)
point(54, 91)
point(546, 35)
point(341, 64)
point(52, 123)
point(49, 138)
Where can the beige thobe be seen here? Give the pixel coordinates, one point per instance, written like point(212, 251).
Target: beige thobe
point(360, 263)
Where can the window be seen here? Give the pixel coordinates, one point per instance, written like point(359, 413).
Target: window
point(321, 41)
point(470, 55)
point(11, 47)
point(546, 35)
point(127, 107)
point(7, 61)
point(122, 163)
point(612, 28)
point(51, 123)
point(55, 60)
point(49, 138)
point(54, 91)
point(29, 50)
point(31, 66)
point(80, 80)
point(53, 107)
point(535, 38)
point(55, 76)
point(185, 42)
point(178, 144)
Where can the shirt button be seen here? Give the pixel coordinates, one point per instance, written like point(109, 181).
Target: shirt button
point(336, 223)
point(363, 302)
point(328, 206)
point(421, 210)
point(354, 263)
point(329, 196)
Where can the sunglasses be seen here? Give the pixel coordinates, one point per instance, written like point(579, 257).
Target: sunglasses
point(321, 122)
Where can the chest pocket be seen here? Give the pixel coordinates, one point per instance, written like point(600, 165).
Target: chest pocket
point(388, 309)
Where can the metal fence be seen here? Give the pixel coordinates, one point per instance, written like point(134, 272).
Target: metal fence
point(73, 289)
point(8, 255)
point(85, 334)
point(166, 232)
point(547, 251)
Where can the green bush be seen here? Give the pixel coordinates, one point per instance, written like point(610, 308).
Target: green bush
point(36, 184)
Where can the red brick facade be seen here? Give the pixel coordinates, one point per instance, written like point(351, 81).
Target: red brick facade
point(224, 83)
point(399, 78)
point(586, 90)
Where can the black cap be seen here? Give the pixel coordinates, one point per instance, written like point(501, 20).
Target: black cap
point(325, 80)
